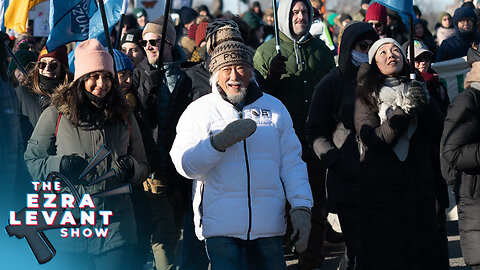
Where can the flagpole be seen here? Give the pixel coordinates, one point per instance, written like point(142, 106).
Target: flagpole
point(412, 50)
point(164, 32)
point(19, 65)
point(119, 32)
point(107, 33)
point(275, 26)
point(120, 25)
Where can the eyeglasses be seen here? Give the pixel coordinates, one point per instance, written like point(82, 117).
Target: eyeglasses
point(422, 58)
point(364, 46)
point(43, 65)
point(153, 42)
point(376, 25)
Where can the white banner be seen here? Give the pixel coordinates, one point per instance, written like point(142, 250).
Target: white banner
point(39, 14)
point(452, 72)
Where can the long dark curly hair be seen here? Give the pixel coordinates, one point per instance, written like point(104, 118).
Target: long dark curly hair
point(71, 100)
point(370, 80)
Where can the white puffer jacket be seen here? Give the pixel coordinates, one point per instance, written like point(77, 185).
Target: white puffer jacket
point(241, 192)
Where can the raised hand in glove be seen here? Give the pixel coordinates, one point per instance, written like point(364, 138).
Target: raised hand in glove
point(71, 166)
point(126, 168)
point(301, 223)
point(156, 77)
point(416, 98)
point(234, 132)
point(277, 68)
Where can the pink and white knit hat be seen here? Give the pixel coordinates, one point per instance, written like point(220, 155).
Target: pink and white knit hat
point(91, 56)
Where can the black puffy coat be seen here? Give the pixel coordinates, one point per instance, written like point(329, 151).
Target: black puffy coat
point(399, 224)
point(330, 130)
point(460, 147)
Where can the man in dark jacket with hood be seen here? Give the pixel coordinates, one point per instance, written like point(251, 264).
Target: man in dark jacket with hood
point(465, 21)
point(291, 76)
point(331, 133)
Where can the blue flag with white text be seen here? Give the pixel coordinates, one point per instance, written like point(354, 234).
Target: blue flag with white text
point(69, 21)
point(113, 10)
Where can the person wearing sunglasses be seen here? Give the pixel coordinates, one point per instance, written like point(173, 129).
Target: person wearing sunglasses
point(331, 133)
point(157, 80)
point(377, 17)
point(50, 71)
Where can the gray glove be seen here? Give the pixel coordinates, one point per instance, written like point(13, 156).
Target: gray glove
point(234, 132)
point(301, 222)
point(416, 99)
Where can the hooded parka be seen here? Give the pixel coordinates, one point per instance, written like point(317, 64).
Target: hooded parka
point(55, 136)
point(309, 59)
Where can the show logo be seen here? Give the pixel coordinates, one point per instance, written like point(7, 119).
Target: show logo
point(59, 205)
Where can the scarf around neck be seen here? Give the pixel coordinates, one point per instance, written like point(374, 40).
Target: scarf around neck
point(390, 96)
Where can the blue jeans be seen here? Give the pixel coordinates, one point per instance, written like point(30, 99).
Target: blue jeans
point(233, 253)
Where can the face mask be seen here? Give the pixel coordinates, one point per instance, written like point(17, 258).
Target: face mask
point(359, 58)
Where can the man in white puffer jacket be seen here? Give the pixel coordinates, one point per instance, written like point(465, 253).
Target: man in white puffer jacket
point(240, 146)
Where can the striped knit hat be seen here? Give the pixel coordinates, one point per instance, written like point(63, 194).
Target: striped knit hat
point(230, 53)
point(220, 31)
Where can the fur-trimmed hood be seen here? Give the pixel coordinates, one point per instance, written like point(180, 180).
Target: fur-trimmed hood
point(76, 107)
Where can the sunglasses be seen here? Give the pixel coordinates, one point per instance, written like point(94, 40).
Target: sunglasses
point(376, 25)
point(153, 42)
point(422, 58)
point(364, 46)
point(43, 65)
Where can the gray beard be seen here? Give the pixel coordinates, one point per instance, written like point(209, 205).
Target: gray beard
point(239, 98)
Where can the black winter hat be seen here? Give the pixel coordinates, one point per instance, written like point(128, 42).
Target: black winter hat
point(464, 12)
point(187, 15)
point(133, 36)
point(468, 4)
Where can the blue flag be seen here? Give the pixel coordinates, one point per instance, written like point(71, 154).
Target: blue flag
point(81, 22)
point(113, 10)
point(403, 7)
point(69, 21)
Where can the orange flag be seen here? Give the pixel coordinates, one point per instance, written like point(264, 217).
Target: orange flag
point(16, 14)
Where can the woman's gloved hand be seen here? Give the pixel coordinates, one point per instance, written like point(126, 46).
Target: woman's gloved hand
point(71, 166)
point(126, 168)
point(416, 98)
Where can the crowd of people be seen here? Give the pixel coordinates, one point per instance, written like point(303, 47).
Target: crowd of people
point(243, 145)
